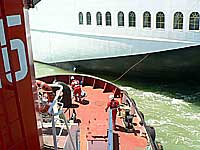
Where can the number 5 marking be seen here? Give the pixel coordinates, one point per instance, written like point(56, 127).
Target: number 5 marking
point(2, 39)
point(16, 44)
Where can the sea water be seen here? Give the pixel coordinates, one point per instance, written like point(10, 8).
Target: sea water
point(172, 108)
point(177, 122)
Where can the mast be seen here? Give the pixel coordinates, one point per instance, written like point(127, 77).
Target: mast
point(18, 128)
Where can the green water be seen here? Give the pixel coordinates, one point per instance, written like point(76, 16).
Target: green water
point(172, 108)
point(44, 70)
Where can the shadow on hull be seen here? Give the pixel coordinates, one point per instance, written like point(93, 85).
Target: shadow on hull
point(177, 64)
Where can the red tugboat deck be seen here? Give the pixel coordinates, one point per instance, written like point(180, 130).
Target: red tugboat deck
point(94, 124)
point(93, 121)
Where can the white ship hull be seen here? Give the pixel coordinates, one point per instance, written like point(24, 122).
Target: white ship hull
point(58, 38)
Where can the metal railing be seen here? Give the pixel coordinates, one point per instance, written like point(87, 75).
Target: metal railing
point(110, 131)
point(131, 102)
point(54, 112)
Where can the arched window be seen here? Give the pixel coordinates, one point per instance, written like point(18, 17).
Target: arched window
point(131, 17)
point(108, 18)
point(88, 16)
point(99, 18)
point(160, 20)
point(194, 21)
point(147, 20)
point(120, 19)
point(178, 20)
point(80, 15)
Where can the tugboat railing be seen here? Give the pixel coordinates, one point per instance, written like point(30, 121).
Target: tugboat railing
point(54, 112)
point(51, 110)
point(131, 102)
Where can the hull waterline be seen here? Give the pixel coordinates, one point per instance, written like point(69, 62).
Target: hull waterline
point(173, 64)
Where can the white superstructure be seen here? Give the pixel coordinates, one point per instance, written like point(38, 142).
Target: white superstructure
point(153, 25)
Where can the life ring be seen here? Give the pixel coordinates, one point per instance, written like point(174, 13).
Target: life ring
point(47, 89)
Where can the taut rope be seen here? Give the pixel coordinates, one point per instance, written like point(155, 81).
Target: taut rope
point(131, 67)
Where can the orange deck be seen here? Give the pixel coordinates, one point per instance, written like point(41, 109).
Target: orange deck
point(94, 124)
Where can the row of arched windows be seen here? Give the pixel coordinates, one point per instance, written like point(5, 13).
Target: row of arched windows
point(160, 19)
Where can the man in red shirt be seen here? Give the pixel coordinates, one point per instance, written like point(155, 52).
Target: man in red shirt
point(113, 104)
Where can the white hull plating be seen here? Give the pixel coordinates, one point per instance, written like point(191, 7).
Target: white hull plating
point(58, 36)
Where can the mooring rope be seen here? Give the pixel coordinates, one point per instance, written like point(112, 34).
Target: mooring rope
point(131, 67)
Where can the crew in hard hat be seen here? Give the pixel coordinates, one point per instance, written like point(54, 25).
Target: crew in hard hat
point(113, 104)
point(72, 78)
point(76, 87)
point(73, 82)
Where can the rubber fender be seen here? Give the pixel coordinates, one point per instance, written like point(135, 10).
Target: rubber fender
point(66, 100)
point(141, 114)
point(151, 132)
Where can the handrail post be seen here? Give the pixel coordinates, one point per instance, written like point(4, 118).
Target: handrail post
point(110, 132)
point(54, 132)
point(53, 114)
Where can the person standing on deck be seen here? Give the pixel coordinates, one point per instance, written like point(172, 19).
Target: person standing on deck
point(113, 104)
point(76, 87)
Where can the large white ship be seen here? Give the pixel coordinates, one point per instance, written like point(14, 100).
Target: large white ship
point(150, 38)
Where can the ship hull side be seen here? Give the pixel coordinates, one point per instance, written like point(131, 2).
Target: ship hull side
point(172, 64)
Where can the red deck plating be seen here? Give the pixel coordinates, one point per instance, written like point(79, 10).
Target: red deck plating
point(93, 120)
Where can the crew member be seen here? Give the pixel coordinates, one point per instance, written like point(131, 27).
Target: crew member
point(113, 104)
point(47, 96)
point(75, 84)
point(48, 92)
